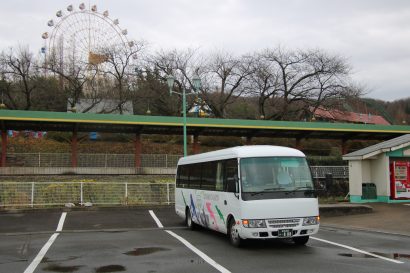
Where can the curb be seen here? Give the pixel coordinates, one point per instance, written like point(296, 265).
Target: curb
point(364, 229)
point(342, 210)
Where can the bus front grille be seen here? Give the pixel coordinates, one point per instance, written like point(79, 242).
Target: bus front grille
point(284, 223)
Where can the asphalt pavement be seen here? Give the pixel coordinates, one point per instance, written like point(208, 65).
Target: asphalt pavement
point(132, 241)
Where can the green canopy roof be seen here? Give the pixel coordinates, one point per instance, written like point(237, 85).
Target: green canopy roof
point(61, 121)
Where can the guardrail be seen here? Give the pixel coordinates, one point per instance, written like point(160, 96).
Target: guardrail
point(42, 194)
point(63, 160)
point(90, 160)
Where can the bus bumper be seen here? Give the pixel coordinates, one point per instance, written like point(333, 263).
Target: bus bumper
point(271, 233)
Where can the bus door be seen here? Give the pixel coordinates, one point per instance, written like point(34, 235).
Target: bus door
point(231, 191)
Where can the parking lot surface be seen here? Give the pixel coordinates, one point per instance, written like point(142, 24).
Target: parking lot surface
point(133, 240)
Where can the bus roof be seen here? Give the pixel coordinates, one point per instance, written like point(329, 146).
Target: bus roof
point(242, 152)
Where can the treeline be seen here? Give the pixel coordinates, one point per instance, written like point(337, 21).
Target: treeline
point(274, 84)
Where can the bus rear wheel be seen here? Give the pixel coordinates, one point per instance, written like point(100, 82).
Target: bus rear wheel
point(301, 241)
point(233, 234)
point(188, 220)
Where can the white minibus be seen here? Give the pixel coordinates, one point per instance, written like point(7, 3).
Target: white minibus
point(249, 192)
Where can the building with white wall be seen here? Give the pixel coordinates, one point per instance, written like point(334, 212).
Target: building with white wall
point(381, 173)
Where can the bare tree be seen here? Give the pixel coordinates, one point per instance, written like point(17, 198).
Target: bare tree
point(306, 78)
point(120, 66)
point(19, 77)
point(264, 83)
point(224, 77)
point(74, 78)
point(182, 65)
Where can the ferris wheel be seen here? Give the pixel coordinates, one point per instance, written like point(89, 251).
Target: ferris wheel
point(82, 36)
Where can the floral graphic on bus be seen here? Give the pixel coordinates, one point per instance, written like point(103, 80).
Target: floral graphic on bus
point(220, 214)
point(211, 213)
point(193, 209)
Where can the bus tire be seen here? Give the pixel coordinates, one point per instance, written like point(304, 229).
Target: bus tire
point(301, 241)
point(188, 220)
point(233, 234)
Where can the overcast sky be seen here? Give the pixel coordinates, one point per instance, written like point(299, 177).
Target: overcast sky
point(373, 35)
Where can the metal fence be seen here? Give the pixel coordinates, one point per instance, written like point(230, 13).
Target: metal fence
point(128, 160)
point(90, 160)
point(38, 194)
point(335, 171)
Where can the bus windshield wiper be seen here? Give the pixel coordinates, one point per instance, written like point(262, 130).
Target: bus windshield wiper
point(273, 189)
point(265, 191)
point(299, 188)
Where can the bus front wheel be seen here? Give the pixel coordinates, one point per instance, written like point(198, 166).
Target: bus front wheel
point(233, 234)
point(301, 241)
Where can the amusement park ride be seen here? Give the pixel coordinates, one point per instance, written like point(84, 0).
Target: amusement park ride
point(81, 37)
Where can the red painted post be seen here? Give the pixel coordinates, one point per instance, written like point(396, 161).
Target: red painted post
point(344, 147)
point(74, 148)
point(138, 150)
point(248, 141)
point(3, 148)
point(196, 146)
point(298, 143)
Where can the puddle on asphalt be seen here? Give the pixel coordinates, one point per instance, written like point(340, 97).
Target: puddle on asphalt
point(395, 256)
point(61, 268)
point(145, 251)
point(110, 268)
point(48, 260)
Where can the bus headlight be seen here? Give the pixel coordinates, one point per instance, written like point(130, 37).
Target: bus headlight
point(254, 223)
point(309, 221)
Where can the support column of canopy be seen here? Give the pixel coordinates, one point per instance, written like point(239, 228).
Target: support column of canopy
point(74, 147)
point(138, 150)
point(3, 148)
point(196, 146)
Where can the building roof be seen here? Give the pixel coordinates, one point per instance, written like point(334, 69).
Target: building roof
point(386, 146)
point(242, 152)
point(353, 117)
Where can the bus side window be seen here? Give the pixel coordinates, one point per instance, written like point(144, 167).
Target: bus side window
point(195, 176)
point(178, 177)
point(219, 176)
point(184, 176)
point(231, 170)
point(208, 176)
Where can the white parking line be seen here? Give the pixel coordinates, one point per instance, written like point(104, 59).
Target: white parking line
point(357, 250)
point(33, 265)
point(61, 222)
point(41, 254)
point(159, 224)
point(198, 252)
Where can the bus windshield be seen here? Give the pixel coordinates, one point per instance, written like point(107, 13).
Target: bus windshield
point(273, 174)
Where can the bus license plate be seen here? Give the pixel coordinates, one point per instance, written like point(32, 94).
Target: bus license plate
point(284, 233)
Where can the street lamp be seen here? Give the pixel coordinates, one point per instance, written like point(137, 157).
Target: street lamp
point(196, 82)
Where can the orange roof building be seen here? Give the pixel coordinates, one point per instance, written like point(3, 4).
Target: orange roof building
point(350, 117)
